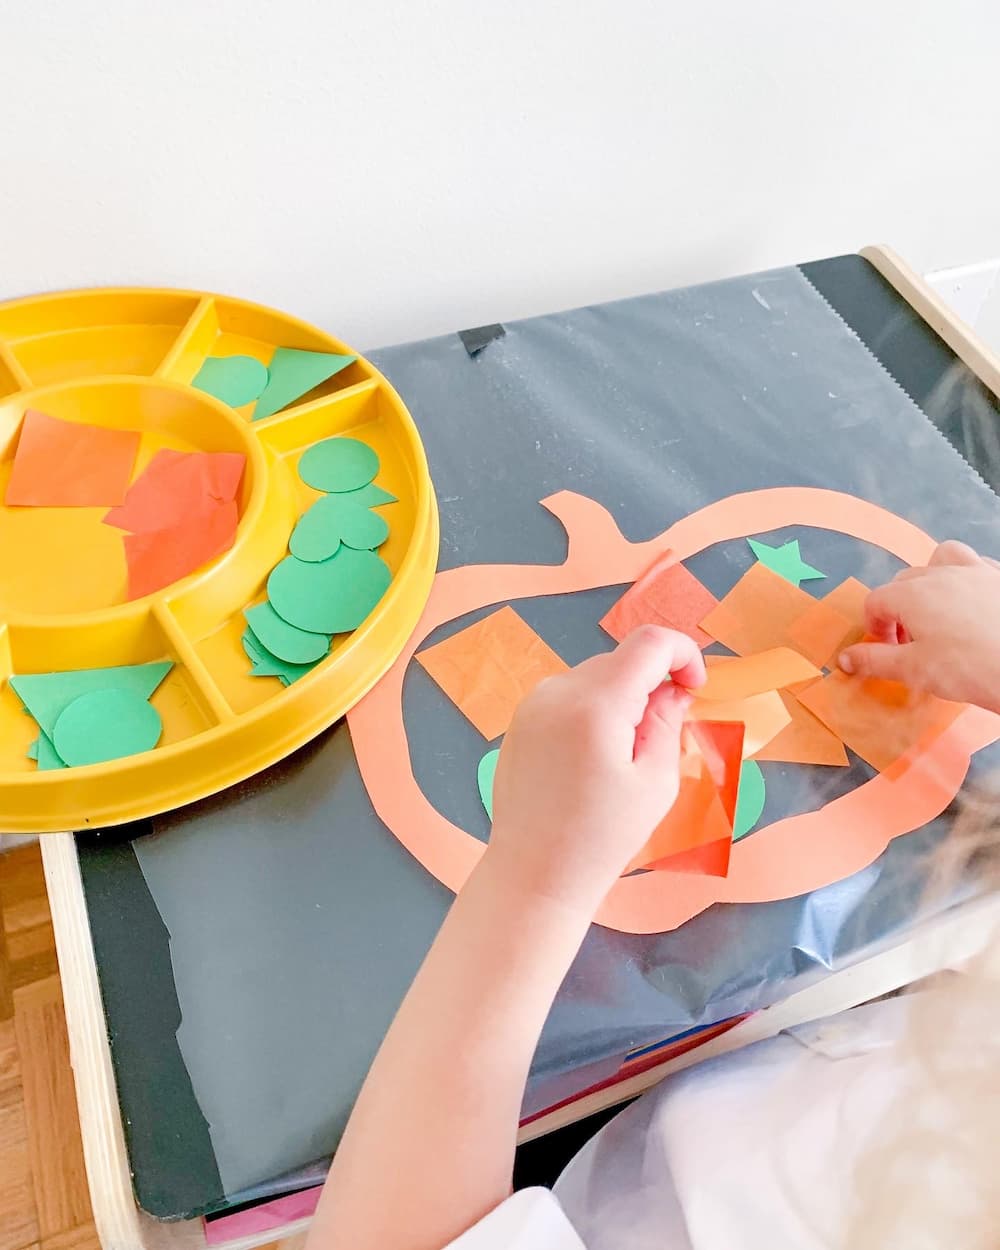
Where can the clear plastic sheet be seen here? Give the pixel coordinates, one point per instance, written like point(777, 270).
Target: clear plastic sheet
point(296, 920)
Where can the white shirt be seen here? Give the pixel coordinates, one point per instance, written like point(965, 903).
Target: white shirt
point(753, 1150)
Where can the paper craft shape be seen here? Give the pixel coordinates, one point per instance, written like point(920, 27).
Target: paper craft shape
point(106, 725)
point(47, 695)
point(175, 486)
point(485, 776)
point(819, 633)
point(763, 715)
point(292, 373)
point(721, 744)
point(330, 597)
point(785, 560)
point(702, 815)
point(848, 599)
point(64, 464)
point(666, 594)
point(284, 641)
point(486, 669)
point(738, 677)
point(805, 740)
point(267, 665)
point(878, 720)
point(843, 836)
point(338, 464)
point(750, 804)
point(329, 522)
point(370, 496)
point(44, 753)
point(757, 612)
point(236, 380)
point(158, 558)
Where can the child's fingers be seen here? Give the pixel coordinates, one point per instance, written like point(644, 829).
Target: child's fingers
point(885, 609)
point(644, 658)
point(953, 552)
point(880, 659)
point(658, 735)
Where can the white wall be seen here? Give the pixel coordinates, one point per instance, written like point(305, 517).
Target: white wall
point(391, 170)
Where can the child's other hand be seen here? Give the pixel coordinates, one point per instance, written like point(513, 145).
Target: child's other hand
point(938, 629)
point(589, 767)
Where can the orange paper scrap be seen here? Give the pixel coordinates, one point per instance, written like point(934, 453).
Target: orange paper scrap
point(157, 558)
point(757, 612)
point(848, 599)
point(175, 485)
point(843, 836)
point(709, 860)
point(732, 677)
point(488, 668)
point(805, 740)
point(702, 814)
point(666, 594)
point(763, 715)
point(65, 464)
point(819, 633)
point(878, 720)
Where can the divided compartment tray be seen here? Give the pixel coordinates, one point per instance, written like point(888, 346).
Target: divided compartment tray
point(126, 358)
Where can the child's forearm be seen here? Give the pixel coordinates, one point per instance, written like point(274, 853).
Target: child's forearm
point(430, 1146)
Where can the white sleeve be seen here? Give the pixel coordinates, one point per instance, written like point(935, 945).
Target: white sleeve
point(531, 1219)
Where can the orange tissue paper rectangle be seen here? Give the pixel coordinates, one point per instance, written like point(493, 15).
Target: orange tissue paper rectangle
point(486, 669)
point(666, 594)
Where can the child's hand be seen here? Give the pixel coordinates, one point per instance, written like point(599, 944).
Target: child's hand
point(589, 767)
point(938, 629)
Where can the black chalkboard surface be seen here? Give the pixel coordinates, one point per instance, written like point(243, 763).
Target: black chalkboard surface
point(253, 948)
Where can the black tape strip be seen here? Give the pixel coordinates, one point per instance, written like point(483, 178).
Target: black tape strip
point(475, 340)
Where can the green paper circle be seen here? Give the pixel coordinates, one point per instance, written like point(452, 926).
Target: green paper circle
point(295, 646)
point(485, 775)
point(749, 799)
point(330, 522)
point(236, 380)
point(329, 597)
point(338, 464)
point(106, 725)
point(317, 533)
point(361, 529)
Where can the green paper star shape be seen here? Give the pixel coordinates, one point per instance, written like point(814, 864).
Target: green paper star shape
point(785, 560)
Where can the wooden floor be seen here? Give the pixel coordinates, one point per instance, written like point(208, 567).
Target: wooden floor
point(43, 1187)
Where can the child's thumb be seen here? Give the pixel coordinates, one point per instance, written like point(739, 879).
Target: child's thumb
point(892, 661)
point(658, 735)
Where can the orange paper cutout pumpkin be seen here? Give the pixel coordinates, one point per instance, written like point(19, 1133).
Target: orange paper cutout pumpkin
point(789, 857)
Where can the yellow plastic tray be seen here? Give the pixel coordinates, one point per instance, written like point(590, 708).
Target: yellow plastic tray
point(126, 358)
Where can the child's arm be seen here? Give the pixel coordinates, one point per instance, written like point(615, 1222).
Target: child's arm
point(938, 629)
point(588, 769)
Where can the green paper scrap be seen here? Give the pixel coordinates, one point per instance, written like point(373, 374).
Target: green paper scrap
point(44, 753)
point(749, 798)
point(316, 535)
point(267, 665)
point(236, 380)
point(292, 373)
point(370, 496)
point(46, 695)
point(785, 560)
point(338, 464)
point(485, 774)
point(329, 522)
point(331, 597)
point(284, 641)
point(106, 725)
point(48, 756)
